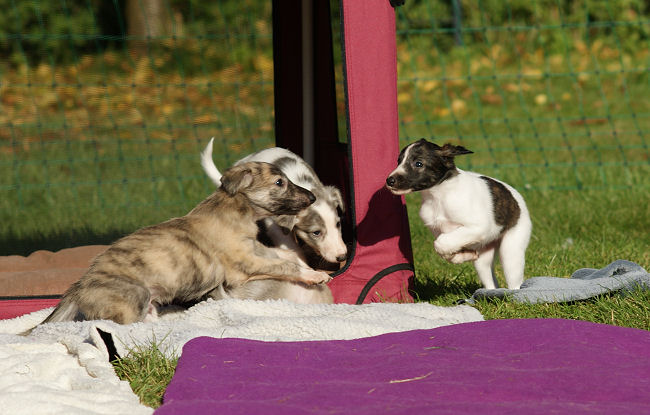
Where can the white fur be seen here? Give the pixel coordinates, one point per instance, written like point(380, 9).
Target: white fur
point(332, 244)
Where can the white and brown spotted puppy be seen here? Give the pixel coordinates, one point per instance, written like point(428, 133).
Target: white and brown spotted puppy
point(186, 258)
point(471, 215)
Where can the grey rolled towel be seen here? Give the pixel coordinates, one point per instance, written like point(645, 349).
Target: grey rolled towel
point(620, 275)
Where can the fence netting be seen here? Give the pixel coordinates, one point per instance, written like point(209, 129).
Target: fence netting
point(104, 106)
point(549, 94)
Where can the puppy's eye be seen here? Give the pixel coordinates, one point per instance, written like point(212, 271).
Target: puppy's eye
point(418, 164)
point(316, 233)
point(279, 182)
point(338, 224)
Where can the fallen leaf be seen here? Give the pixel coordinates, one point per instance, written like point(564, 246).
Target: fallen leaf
point(458, 106)
point(429, 86)
point(205, 118)
point(492, 99)
point(403, 97)
point(588, 121)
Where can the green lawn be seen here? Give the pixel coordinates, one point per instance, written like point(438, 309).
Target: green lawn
point(148, 371)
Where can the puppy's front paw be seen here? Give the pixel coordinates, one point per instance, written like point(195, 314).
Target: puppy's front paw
point(443, 247)
point(315, 277)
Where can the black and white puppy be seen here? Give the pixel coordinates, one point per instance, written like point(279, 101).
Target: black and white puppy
point(471, 215)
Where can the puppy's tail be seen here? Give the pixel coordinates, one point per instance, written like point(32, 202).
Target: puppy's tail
point(66, 310)
point(208, 164)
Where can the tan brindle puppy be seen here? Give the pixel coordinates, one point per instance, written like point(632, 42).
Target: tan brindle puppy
point(184, 259)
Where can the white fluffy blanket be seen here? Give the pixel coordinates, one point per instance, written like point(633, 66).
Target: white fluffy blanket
point(63, 368)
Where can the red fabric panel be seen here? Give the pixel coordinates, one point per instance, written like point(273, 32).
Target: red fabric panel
point(18, 307)
point(382, 232)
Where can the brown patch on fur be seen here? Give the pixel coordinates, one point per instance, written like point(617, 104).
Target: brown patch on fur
point(506, 208)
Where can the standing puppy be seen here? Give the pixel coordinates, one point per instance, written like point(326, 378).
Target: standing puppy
point(184, 259)
point(471, 215)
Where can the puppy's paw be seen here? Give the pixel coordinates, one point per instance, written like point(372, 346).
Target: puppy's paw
point(462, 256)
point(444, 248)
point(315, 277)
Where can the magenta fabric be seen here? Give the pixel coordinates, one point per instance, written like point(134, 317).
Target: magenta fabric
point(500, 366)
point(382, 231)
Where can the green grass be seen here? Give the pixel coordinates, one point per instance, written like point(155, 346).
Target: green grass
point(148, 371)
point(626, 310)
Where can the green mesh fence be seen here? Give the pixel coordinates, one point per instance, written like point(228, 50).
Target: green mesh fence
point(549, 94)
point(104, 106)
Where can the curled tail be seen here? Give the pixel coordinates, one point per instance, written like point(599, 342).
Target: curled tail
point(208, 164)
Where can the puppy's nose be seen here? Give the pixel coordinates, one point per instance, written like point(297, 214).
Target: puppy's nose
point(341, 258)
point(390, 181)
point(311, 197)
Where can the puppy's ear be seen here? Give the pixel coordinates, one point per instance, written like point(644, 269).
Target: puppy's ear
point(286, 222)
point(235, 179)
point(450, 150)
point(423, 141)
point(336, 196)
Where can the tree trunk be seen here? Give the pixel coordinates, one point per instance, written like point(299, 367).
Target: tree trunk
point(147, 20)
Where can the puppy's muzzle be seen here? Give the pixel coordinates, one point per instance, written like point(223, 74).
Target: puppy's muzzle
point(310, 198)
point(300, 200)
point(397, 185)
point(395, 182)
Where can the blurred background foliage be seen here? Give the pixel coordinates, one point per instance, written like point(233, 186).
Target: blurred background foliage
point(105, 105)
point(61, 31)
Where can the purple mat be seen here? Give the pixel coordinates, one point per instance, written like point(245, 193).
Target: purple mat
point(507, 366)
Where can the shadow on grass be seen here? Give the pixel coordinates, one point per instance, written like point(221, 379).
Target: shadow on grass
point(620, 308)
point(444, 291)
point(24, 245)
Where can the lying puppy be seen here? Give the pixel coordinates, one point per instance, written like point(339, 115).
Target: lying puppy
point(317, 227)
point(470, 215)
point(188, 258)
point(295, 292)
